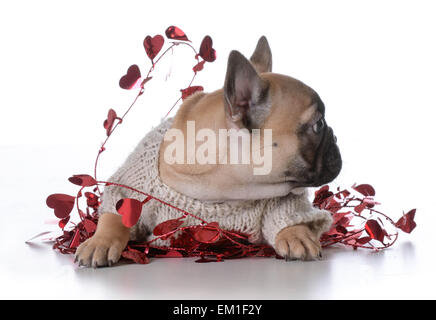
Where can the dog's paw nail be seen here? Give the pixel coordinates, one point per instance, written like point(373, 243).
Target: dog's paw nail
point(110, 263)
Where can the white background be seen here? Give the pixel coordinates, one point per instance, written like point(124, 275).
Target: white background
point(372, 62)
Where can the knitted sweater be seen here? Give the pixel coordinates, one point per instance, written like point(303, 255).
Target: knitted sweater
point(261, 219)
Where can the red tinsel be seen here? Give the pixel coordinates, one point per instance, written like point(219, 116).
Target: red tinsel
point(355, 221)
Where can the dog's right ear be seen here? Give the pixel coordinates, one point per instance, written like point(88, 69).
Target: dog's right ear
point(262, 56)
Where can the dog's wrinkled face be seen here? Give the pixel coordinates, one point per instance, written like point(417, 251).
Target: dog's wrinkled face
point(304, 149)
point(305, 152)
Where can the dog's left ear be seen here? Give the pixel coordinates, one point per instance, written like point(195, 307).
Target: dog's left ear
point(262, 56)
point(246, 94)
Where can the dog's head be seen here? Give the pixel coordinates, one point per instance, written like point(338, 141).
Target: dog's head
point(304, 149)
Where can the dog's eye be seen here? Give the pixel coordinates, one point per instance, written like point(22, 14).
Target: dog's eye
point(317, 127)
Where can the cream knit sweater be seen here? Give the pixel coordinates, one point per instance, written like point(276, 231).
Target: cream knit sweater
point(261, 219)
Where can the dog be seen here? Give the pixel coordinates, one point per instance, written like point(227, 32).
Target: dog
point(303, 150)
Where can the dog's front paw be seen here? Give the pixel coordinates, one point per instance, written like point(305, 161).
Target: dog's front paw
point(99, 251)
point(298, 243)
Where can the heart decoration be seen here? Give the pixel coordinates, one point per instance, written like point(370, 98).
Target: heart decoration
point(131, 210)
point(109, 122)
point(145, 81)
point(175, 33)
point(190, 90)
point(89, 226)
point(76, 239)
point(92, 200)
point(199, 66)
point(365, 189)
point(170, 254)
point(130, 79)
point(406, 222)
point(374, 230)
point(61, 203)
point(167, 226)
point(153, 45)
point(63, 222)
point(208, 233)
point(363, 240)
point(83, 180)
point(135, 255)
point(206, 51)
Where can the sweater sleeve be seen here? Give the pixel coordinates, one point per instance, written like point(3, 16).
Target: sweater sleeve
point(292, 210)
point(130, 174)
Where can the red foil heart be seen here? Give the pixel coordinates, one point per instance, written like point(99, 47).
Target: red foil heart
point(206, 51)
point(92, 200)
point(76, 240)
point(62, 223)
point(374, 230)
point(135, 255)
point(83, 180)
point(89, 226)
point(170, 254)
point(406, 222)
point(167, 226)
point(365, 189)
point(199, 66)
point(208, 233)
point(109, 122)
point(175, 33)
point(131, 79)
point(153, 45)
point(190, 90)
point(61, 203)
point(130, 209)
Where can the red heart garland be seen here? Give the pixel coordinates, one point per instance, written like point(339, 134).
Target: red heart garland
point(109, 122)
point(206, 51)
point(190, 90)
point(175, 33)
point(153, 45)
point(130, 209)
point(61, 203)
point(130, 79)
point(83, 180)
point(406, 222)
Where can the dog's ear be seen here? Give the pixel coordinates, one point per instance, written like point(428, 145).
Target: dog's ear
point(246, 95)
point(262, 56)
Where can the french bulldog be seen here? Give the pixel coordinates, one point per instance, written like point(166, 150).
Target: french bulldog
point(304, 153)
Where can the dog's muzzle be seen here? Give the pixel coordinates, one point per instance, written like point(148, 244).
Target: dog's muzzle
point(329, 161)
